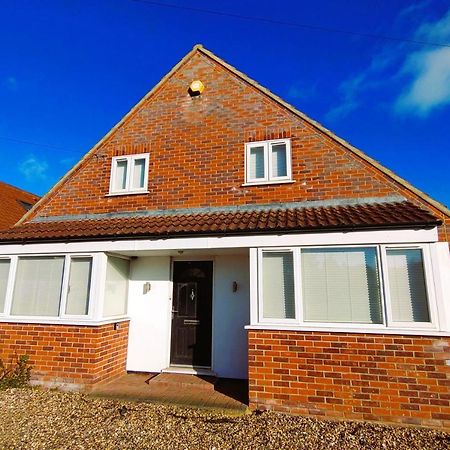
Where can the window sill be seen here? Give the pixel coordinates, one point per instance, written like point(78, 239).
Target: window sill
point(357, 330)
point(117, 194)
point(263, 183)
point(65, 321)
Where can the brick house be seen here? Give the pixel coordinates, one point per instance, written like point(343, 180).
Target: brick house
point(14, 203)
point(216, 229)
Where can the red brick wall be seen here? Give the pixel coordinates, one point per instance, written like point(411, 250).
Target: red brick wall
point(196, 148)
point(67, 354)
point(353, 376)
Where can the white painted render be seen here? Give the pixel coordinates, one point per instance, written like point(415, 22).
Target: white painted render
point(150, 314)
point(149, 335)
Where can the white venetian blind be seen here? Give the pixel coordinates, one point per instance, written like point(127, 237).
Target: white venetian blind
point(116, 291)
point(4, 272)
point(407, 286)
point(278, 285)
point(37, 288)
point(79, 286)
point(120, 180)
point(341, 285)
point(138, 178)
point(279, 167)
point(256, 163)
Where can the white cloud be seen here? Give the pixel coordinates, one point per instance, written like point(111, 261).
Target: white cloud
point(429, 87)
point(33, 168)
point(428, 72)
point(423, 74)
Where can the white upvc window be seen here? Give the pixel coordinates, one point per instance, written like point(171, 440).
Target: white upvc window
point(46, 286)
point(5, 266)
point(369, 286)
point(268, 162)
point(129, 174)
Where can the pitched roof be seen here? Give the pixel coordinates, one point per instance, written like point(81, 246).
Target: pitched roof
point(363, 216)
point(14, 203)
point(199, 48)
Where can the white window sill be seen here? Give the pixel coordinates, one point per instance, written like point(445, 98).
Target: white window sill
point(356, 330)
point(115, 194)
point(262, 183)
point(65, 321)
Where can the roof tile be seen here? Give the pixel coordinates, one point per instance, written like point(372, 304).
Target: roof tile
point(374, 215)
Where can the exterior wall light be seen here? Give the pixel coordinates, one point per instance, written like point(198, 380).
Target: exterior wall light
point(196, 88)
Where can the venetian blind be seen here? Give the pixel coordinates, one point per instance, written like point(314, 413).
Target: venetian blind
point(278, 285)
point(341, 285)
point(407, 287)
point(79, 286)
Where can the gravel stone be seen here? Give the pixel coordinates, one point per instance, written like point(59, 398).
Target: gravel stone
point(43, 419)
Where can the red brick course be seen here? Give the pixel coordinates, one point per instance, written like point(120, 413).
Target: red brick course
point(67, 354)
point(387, 378)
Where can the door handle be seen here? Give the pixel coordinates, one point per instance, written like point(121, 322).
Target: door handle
point(173, 311)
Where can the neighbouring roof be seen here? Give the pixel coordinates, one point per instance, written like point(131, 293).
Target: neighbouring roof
point(374, 215)
point(14, 203)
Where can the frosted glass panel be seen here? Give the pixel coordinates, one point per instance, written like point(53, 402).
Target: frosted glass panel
point(409, 299)
point(79, 286)
point(116, 291)
point(279, 167)
point(4, 272)
point(37, 288)
point(341, 285)
point(121, 175)
point(138, 174)
point(278, 286)
point(256, 163)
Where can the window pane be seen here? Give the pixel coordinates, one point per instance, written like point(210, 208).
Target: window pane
point(37, 288)
point(120, 182)
point(341, 285)
point(79, 286)
point(278, 285)
point(256, 163)
point(4, 272)
point(116, 292)
point(279, 167)
point(407, 285)
point(138, 174)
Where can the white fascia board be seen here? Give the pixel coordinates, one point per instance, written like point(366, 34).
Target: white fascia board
point(244, 241)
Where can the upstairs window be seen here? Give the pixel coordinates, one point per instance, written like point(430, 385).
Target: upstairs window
point(129, 174)
point(268, 162)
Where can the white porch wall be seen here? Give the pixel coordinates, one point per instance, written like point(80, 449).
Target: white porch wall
point(231, 313)
point(150, 315)
point(149, 338)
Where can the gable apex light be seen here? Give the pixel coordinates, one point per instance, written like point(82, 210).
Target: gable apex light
point(196, 88)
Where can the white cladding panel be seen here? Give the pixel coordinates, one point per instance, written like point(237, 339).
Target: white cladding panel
point(148, 342)
point(231, 313)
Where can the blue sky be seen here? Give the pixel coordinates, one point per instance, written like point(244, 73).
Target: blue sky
point(70, 69)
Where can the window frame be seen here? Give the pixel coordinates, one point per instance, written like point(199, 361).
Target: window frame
point(268, 168)
point(387, 322)
point(261, 317)
point(64, 288)
point(429, 287)
point(8, 285)
point(129, 174)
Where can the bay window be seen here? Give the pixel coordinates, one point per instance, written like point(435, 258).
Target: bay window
point(50, 286)
point(367, 286)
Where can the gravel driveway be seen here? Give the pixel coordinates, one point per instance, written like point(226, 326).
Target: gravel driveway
point(40, 419)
